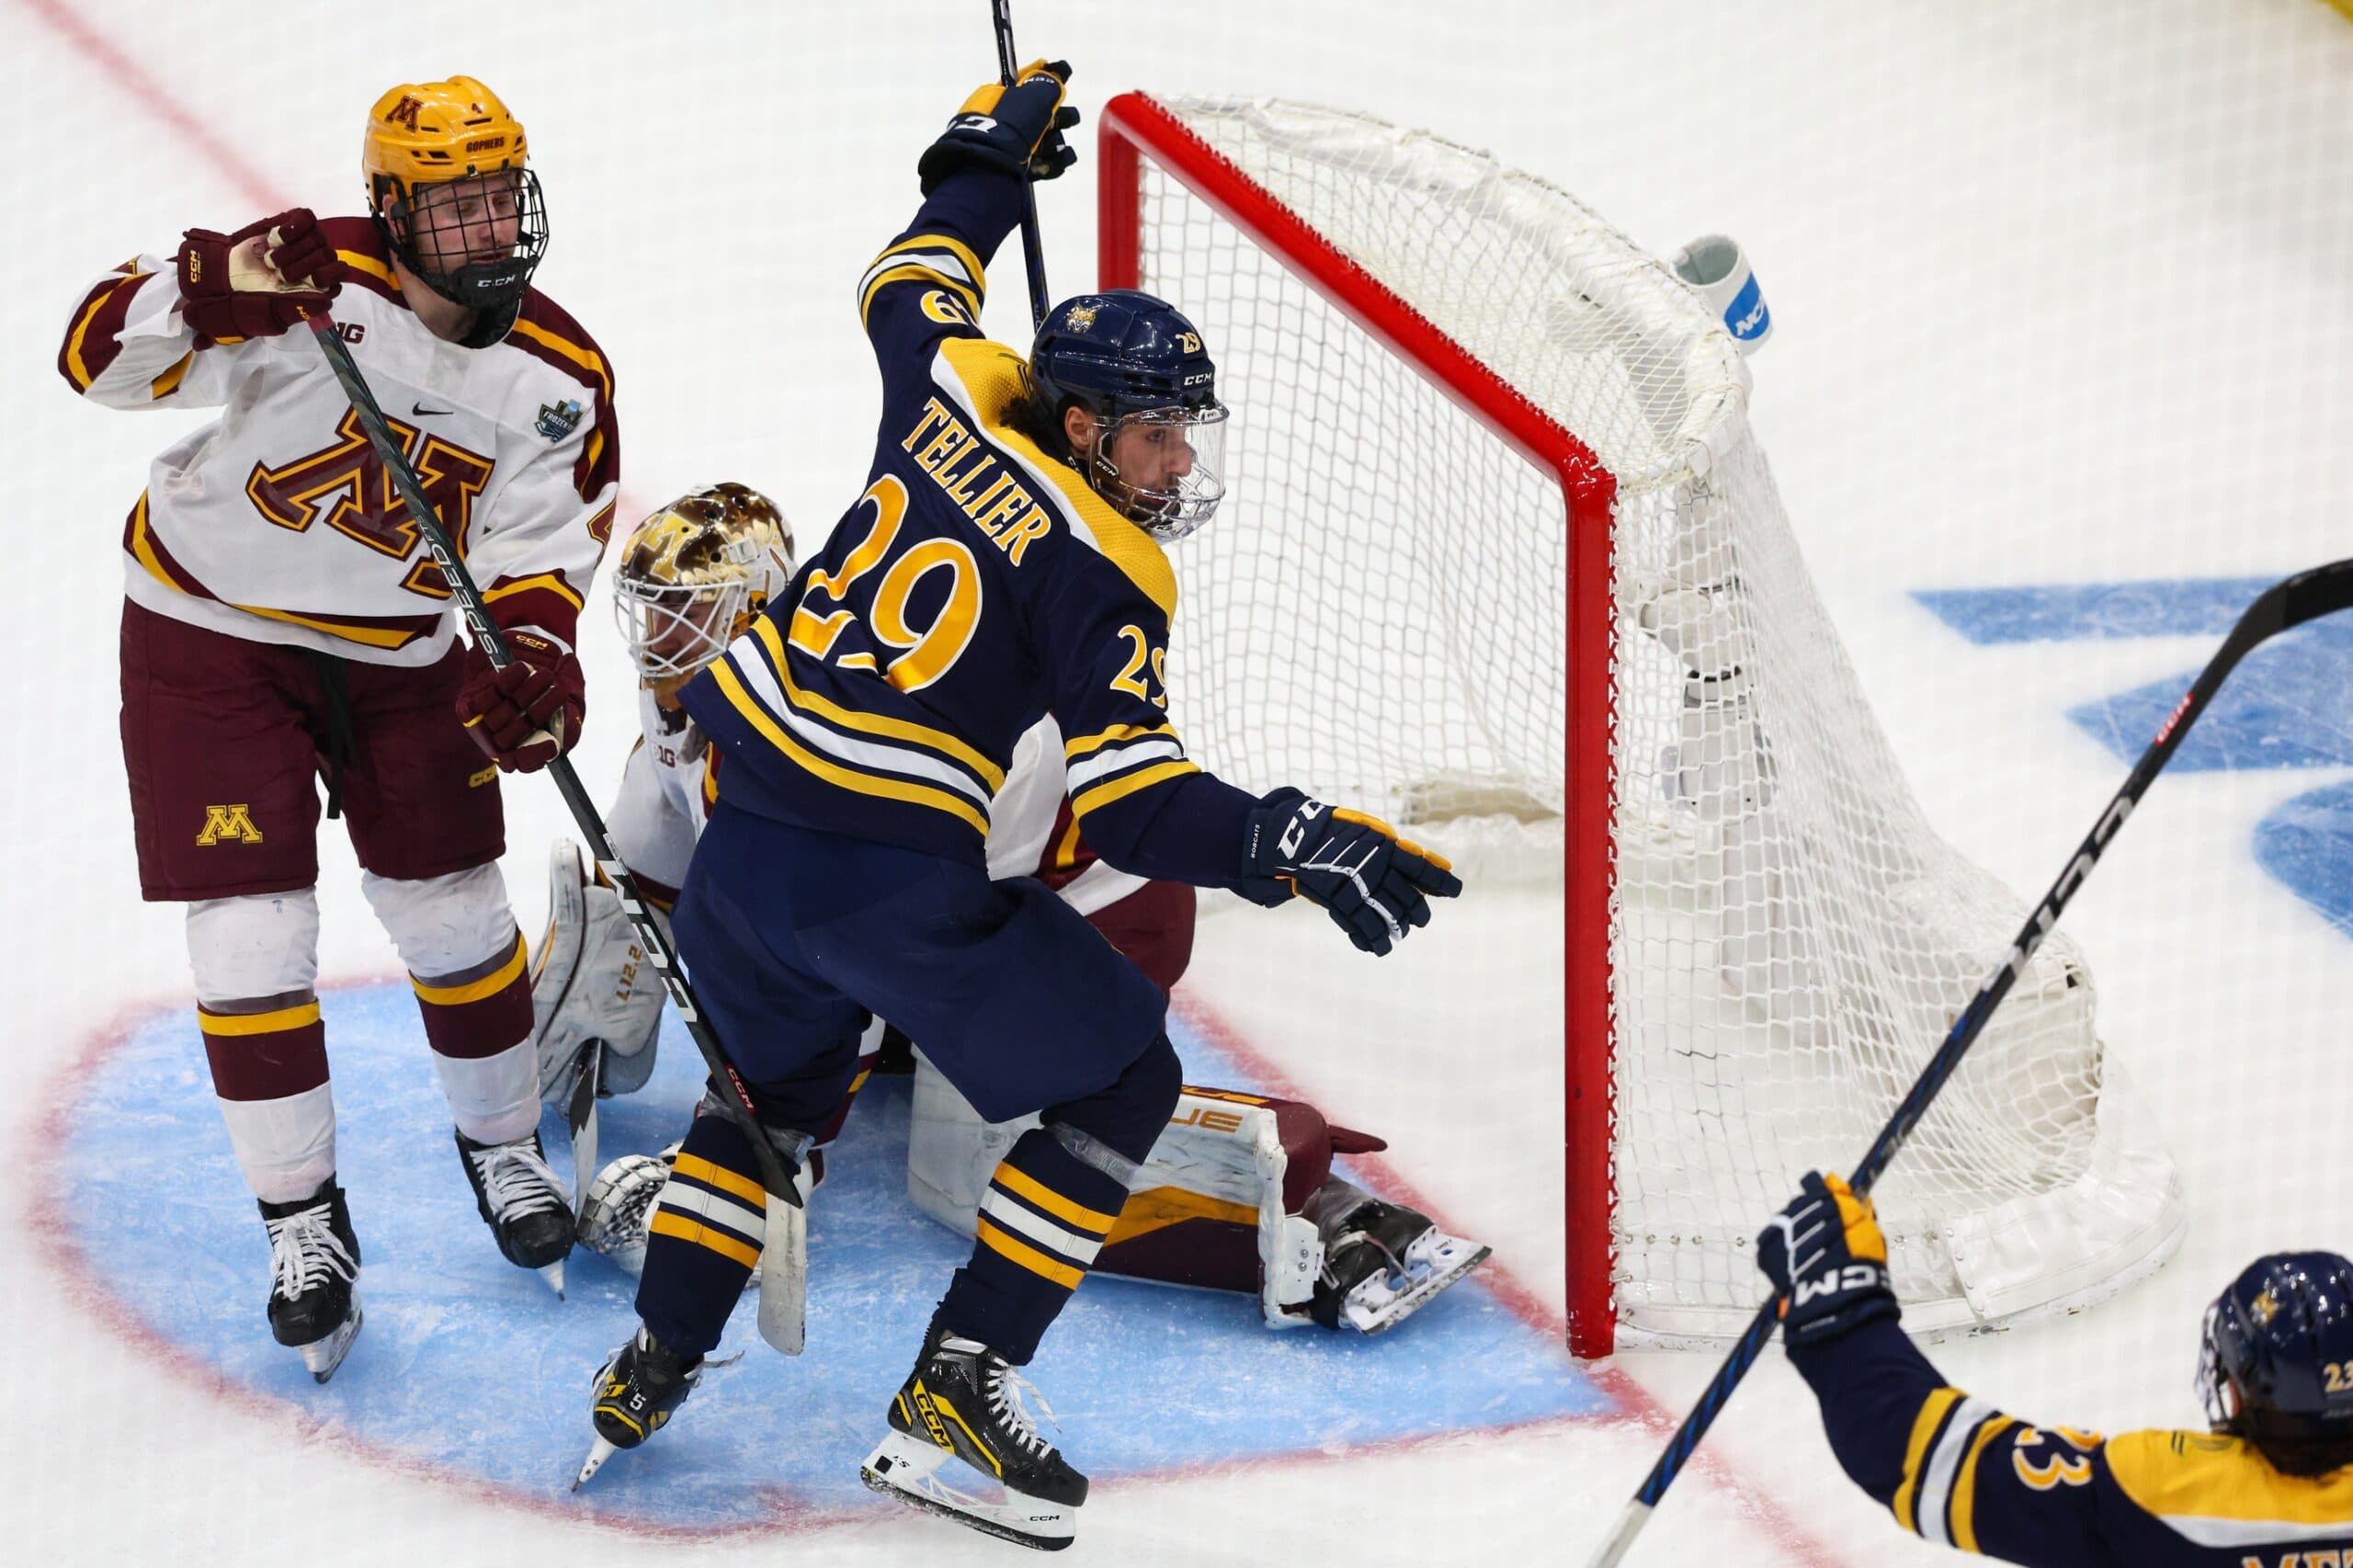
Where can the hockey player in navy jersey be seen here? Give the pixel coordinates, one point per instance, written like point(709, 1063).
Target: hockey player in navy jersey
point(1003, 563)
point(2271, 1486)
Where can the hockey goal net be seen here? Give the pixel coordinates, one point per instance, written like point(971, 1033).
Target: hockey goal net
point(1503, 560)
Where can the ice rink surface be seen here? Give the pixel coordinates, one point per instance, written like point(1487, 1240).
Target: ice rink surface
point(2060, 367)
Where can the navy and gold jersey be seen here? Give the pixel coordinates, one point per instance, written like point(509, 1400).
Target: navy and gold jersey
point(976, 585)
point(1961, 1474)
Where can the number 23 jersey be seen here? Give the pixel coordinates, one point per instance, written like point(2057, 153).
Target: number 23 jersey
point(976, 585)
point(277, 524)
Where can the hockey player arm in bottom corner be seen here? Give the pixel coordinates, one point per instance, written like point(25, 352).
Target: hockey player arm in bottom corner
point(1951, 1467)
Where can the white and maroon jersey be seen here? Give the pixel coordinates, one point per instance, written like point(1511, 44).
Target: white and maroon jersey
point(277, 524)
point(665, 798)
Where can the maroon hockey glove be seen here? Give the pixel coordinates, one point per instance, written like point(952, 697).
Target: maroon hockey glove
point(259, 281)
point(526, 715)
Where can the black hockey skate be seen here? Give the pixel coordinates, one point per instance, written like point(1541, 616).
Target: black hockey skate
point(638, 1390)
point(522, 1202)
point(313, 1278)
point(1382, 1261)
point(963, 1402)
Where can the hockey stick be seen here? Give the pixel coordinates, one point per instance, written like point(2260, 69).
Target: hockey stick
point(1033, 244)
point(2287, 604)
point(784, 1256)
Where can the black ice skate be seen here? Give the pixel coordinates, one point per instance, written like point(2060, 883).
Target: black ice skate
point(522, 1202)
point(963, 1402)
point(313, 1278)
point(1382, 1261)
point(637, 1392)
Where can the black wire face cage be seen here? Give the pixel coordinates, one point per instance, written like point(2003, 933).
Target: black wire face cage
point(475, 241)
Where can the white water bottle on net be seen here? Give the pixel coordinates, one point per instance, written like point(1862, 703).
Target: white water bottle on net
point(1503, 560)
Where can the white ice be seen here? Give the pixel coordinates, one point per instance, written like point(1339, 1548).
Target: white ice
point(2061, 294)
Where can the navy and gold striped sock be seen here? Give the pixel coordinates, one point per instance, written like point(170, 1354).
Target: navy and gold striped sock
point(1041, 1223)
point(703, 1238)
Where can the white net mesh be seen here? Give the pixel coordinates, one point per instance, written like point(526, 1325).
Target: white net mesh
point(1380, 616)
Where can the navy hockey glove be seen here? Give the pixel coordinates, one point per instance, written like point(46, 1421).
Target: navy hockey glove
point(1370, 881)
point(1826, 1256)
point(1011, 129)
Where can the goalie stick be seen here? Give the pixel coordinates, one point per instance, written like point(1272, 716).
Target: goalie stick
point(2284, 606)
point(784, 1269)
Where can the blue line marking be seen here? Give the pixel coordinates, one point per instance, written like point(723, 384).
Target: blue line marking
point(469, 1363)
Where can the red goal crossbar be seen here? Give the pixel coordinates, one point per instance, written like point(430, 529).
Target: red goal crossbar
point(1134, 127)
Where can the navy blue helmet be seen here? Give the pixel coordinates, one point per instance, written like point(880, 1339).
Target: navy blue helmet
point(2276, 1367)
point(1141, 370)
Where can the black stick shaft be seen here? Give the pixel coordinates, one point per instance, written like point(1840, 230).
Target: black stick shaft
point(2286, 604)
point(778, 1180)
point(1033, 244)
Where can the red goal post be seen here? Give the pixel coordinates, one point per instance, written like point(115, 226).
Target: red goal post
point(1133, 125)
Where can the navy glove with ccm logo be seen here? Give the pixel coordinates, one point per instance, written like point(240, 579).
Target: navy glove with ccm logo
point(1375, 885)
point(1826, 1256)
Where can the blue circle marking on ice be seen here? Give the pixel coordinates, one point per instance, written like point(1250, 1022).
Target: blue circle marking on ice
point(2288, 706)
point(470, 1367)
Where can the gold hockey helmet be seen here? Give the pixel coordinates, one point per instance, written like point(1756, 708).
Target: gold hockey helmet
point(479, 243)
point(694, 574)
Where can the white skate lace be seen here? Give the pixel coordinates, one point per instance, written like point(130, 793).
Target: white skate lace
point(1006, 1389)
point(304, 1252)
point(516, 1179)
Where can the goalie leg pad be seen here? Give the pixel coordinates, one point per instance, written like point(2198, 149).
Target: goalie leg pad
point(593, 985)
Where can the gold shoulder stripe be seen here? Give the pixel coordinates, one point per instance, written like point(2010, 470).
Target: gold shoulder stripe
point(731, 688)
point(1126, 784)
point(1933, 1410)
point(991, 374)
point(588, 359)
point(361, 261)
point(872, 723)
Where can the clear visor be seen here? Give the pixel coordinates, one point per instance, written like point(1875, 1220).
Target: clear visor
point(1164, 468)
point(673, 629)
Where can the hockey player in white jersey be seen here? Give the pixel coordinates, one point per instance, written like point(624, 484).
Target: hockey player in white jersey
point(284, 626)
point(1238, 1193)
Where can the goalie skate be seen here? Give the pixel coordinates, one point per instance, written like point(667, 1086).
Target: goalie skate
point(1383, 1262)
